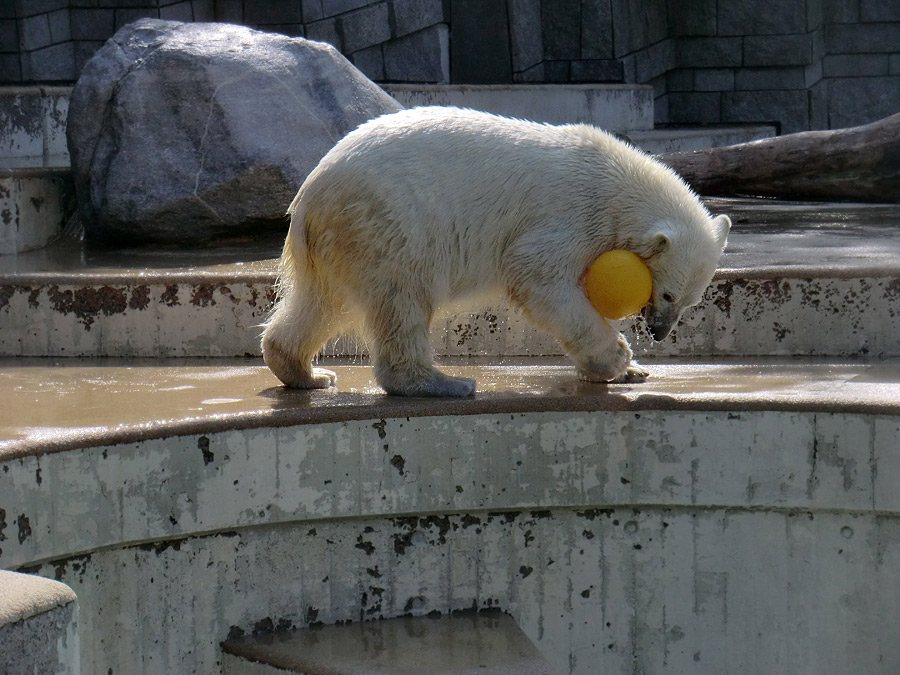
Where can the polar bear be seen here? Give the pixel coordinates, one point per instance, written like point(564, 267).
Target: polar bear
point(430, 206)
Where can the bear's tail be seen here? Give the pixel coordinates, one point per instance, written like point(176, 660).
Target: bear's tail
point(294, 265)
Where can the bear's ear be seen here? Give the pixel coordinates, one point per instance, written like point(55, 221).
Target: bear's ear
point(721, 227)
point(659, 243)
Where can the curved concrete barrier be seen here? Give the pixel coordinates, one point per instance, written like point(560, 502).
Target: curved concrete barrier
point(38, 628)
point(688, 525)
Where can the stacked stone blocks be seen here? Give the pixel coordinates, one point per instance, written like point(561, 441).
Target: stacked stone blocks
point(740, 60)
point(401, 40)
point(807, 65)
point(804, 64)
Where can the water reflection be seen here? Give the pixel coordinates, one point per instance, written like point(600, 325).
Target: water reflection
point(86, 401)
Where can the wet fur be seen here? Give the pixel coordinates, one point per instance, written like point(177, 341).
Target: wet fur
point(430, 206)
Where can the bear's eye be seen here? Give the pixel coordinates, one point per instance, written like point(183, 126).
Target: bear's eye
point(668, 297)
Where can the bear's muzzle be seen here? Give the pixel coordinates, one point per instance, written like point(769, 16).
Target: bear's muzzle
point(659, 322)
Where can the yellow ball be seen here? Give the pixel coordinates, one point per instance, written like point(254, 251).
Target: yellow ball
point(618, 284)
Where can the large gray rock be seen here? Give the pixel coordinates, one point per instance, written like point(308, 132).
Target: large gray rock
point(197, 132)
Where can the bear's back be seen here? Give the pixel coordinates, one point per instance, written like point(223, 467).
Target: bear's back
point(452, 163)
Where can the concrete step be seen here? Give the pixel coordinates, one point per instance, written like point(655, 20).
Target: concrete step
point(626, 110)
point(36, 193)
point(33, 119)
point(620, 526)
point(33, 126)
point(461, 644)
point(615, 107)
point(35, 205)
point(688, 139)
point(811, 279)
point(38, 626)
point(53, 404)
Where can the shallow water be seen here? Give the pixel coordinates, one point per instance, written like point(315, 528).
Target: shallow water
point(53, 401)
point(766, 233)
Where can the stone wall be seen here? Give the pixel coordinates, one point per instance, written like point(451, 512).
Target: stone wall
point(805, 64)
point(802, 64)
point(400, 40)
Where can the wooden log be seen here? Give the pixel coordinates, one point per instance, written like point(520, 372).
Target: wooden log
point(853, 164)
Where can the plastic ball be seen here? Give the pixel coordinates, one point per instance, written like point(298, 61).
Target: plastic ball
point(618, 284)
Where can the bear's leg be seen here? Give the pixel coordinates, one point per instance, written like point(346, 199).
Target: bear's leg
point(403, 366)
point(302, 322)
point(600, 353)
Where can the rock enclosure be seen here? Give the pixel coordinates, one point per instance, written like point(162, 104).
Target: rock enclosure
point(194, 133)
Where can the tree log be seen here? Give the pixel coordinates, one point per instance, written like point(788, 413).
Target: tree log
point(853, 164)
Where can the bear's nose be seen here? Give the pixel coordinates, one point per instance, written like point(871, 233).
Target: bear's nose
point(654, 333)
point(658, 329)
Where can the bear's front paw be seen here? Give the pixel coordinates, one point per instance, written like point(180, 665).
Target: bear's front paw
point(609, 366)
point(633, 374)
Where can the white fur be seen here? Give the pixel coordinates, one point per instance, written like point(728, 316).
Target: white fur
point(430, 206)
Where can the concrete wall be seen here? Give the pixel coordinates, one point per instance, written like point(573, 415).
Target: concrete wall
point(402, 40)
point(182, 315)
point(38, 625)
point(804, 64)
point(651, 541)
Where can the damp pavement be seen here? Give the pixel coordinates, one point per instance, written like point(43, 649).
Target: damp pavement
point(809, 239)
point(800, 238)
point(58, 404)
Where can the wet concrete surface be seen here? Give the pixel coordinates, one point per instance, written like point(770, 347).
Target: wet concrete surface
point(56, 404)
point(47, 404)
point(809, 239)
point(768, 237)
point(490, 644)
point(72, 257)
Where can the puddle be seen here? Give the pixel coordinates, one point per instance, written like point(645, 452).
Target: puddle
point(766, 233)
point(45, 403)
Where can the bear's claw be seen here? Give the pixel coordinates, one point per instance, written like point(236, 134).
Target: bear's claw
point(635, 373)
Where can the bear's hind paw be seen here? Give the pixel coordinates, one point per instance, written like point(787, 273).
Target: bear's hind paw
point(319, 378)
point(436, 384)
point(322, 378)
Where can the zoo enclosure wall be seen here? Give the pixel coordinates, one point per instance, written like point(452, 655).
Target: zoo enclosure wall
point(809, 64)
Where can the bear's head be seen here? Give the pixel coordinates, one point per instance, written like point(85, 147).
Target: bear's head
point(682, 258)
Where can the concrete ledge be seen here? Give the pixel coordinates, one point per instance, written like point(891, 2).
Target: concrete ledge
point(23, 596)
point(615, 107)
point(464, 644)
point(217, 439)
point(807, 279)
point(34, 133)
point(55, 407)
point(599, 589)
point(220, 315)
point(660, 528)
point(35, 204)
point(37, 626)
point(688, 139)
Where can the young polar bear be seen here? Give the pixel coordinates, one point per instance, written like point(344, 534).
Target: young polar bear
point(429, 206)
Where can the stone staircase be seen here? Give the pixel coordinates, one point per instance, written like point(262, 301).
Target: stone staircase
point(209, 520)
point(796, 279)
point(36, 192)
point(37, 196)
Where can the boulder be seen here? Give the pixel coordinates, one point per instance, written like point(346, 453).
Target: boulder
point(200, 132)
